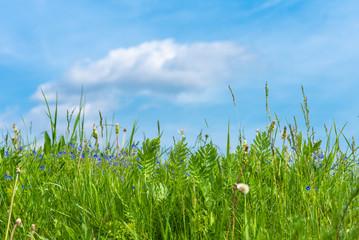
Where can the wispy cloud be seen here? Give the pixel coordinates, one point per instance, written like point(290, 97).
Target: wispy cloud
point(269, 4)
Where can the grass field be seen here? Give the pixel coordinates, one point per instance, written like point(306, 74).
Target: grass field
point(71, 188)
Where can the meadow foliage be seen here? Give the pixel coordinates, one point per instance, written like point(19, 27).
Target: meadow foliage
point(283, 185)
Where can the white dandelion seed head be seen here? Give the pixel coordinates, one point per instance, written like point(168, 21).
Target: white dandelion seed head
point(181, 131)
point(243, 188)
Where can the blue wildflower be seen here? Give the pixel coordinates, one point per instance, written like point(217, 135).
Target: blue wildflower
point(7, 176)
point(307, 188)
point(42, 167)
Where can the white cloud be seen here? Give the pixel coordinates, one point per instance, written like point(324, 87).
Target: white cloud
point(152, 73)
point(181, 73)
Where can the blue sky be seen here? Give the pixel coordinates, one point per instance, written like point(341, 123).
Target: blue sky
point(173, 60)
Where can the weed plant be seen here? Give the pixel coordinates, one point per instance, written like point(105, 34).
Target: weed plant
point(71, 188)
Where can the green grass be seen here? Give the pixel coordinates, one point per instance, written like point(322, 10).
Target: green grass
point(73, 189)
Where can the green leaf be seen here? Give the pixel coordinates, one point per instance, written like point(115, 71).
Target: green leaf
point(47, 144)
point(147, 157)
point(61, 144)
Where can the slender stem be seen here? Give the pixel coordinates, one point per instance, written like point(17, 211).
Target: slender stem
point(117, 146)
point(233, 198)
point(78, 165)
point(12, 201)
point(13, 231)
point(32, 231)
point(123, 140)
point(346, 208)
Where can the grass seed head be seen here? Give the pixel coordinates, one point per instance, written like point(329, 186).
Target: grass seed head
point(16, 131)
point(117, 128)
point(272, 125)
point(284, 136)
point(246, 149)
point(94, 133)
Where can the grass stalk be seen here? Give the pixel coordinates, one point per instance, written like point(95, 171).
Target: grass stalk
point(18, 171)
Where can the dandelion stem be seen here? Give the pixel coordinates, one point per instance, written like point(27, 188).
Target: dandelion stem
point(233, 198)
point(17, 223)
